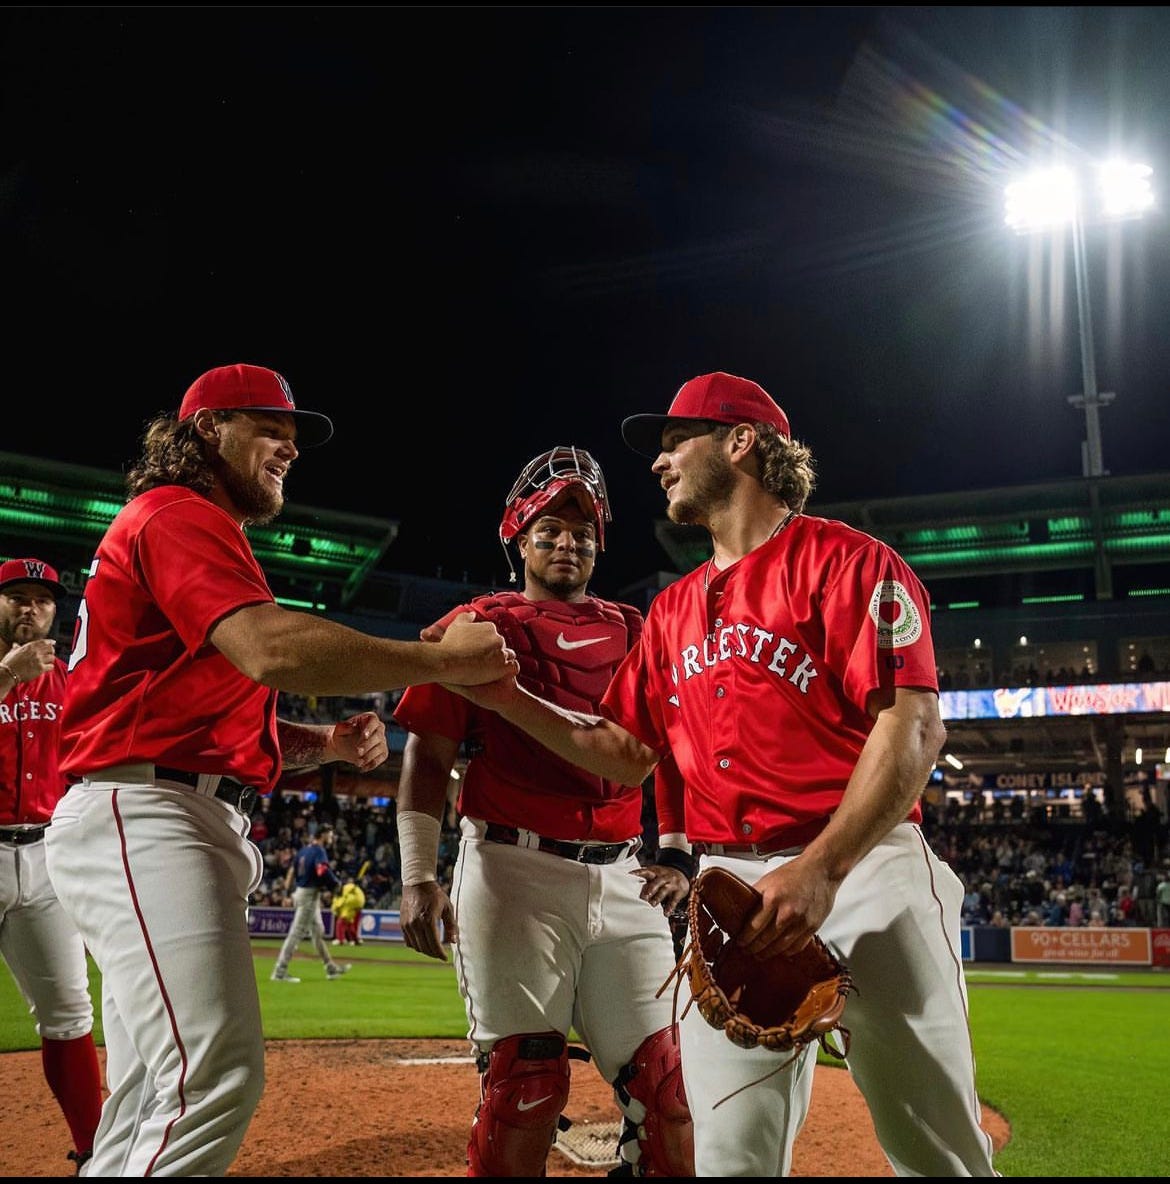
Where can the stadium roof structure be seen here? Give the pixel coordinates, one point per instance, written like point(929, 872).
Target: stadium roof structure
point(313, 559)
point(1095, 525)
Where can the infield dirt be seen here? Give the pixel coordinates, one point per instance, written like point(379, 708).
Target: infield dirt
point(402, 1108)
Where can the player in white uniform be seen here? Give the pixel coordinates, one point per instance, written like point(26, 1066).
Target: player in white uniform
point(169, 732)
point(791, 682)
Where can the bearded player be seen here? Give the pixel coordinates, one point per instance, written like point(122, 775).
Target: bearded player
point(170, 731)
point(555, 923)
point(790, 680)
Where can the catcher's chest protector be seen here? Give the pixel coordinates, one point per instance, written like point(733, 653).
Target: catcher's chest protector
point(567, 651)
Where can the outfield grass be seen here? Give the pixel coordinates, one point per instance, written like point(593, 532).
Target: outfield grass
point(1077, 1068)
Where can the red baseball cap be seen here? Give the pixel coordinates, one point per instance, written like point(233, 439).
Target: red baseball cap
point(253, 388)
point(31, 571)
point(724, 398)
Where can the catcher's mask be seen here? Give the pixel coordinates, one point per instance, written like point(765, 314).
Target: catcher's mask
point(563, 471)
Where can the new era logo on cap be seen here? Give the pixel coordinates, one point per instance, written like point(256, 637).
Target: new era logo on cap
point(31, 571)
point(242, 387)
point(724, 398)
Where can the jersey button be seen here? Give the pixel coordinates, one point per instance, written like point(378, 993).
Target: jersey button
point(746, 827)
point(725, 763)
point(28, 776)
point(719, 692)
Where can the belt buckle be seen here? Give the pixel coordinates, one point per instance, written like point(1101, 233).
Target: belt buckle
point(595, 853)
point(237, 795)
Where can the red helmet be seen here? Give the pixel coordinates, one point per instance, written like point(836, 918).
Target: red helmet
point(561, 470)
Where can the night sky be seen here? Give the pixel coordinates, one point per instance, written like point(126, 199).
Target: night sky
point(471, 234)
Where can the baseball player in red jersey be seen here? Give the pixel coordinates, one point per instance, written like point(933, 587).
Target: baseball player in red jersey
point(39, 943)
point(169, 731)
point(555, 925)
point(791, 681)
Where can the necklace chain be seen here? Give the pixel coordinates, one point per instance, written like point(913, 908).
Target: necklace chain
point(778, 529)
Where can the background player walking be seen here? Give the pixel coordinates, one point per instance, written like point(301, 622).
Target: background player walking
point(310, 877)
point(38, 941)
point(170, 730)
point(790, 683)
point(556, 924)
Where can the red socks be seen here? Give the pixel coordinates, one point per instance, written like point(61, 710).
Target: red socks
point(72, 1071)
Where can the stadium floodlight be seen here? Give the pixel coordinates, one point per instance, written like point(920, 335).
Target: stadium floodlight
point(1044, 199)
point(1057, 197)
point(1124, 189)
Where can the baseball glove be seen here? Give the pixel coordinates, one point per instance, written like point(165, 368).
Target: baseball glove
point(780, 1003)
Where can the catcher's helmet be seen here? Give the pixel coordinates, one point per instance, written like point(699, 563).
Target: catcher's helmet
point(563, 470)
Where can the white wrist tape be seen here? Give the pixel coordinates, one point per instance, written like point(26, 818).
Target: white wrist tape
point(674, 839)
point(418, 846)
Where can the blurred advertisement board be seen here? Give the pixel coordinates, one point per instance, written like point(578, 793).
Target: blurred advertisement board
point(1098, 947)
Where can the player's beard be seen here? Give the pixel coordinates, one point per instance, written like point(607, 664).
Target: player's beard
point(560, 587)
point(709, 485)
point(255, 501)
point(19, 631)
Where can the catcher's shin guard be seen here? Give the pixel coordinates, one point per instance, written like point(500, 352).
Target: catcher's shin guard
point(657, 1137)
point(524, 1085)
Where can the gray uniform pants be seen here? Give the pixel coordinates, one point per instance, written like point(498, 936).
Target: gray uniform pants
point(306, 923)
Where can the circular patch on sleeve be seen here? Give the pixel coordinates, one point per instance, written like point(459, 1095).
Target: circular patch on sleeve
point(895, 614)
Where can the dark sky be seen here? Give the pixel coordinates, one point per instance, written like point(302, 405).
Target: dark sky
point(470, 234)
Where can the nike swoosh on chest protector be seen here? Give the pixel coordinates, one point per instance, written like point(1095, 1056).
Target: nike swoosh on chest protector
point(576, 645)
point(522, 1106)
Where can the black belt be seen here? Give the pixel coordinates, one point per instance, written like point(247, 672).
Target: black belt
point(243, 797)
point(580, 852)
point(20, 835)
point(746, 850)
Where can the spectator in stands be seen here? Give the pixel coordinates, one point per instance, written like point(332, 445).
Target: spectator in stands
point(259, 828)
point(1124, 907)
point(1096, 908)
point(1035, 858)
point(1076, 910)
point(1034, 891)
point(973, 913)
point(1056, 910)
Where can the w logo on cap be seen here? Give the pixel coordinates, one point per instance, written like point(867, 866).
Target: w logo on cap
point(37, 571)
point(286, 388)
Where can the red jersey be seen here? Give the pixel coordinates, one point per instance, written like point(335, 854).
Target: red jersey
point(30, 726)
point(567, 653)
point(144, 684)
point(755, 679)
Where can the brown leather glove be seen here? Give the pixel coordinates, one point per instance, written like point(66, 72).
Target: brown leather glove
point(781, 1003)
